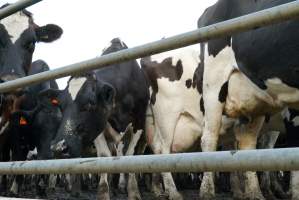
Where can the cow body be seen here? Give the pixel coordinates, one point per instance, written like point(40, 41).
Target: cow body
point(174, 120)
point(35, 124)
point(246, 76)
point(117, 94)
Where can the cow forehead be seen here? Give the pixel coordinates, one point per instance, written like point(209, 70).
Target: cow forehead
point(15, 25)
point(110, 44)
point(75, 84)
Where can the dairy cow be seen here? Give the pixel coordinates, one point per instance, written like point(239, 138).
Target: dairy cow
point(174, 121)
point(246, 76)
point(117, 94)
point(35, 124)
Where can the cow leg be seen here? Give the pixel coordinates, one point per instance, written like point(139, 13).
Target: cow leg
point(122, 179)
point(156, 186)
point(160, 141)
point(246, 136)
point(236, 185)
point(103, 151)
point(209, 140)
point(76, 185)
point(41, 186)
point(295, 185)
point(132, 187)
point(277, 187)
point(267, 141)
point(68, 183)
point(14, 189)
point(52, 182)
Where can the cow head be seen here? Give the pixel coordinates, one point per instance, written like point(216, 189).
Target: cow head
point(86, 103)
point(18, 36)
point(38, 127)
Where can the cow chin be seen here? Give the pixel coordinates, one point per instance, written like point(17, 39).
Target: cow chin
point(67, 147)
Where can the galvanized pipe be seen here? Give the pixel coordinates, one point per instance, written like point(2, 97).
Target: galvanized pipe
point(247, 22)
point(251, 160)
point(19, 5)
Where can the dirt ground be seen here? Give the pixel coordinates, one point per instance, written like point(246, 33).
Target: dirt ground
point(60, 194)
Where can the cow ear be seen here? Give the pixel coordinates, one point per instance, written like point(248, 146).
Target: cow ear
point(107, 94)
point(50, 97)
point(48, 33)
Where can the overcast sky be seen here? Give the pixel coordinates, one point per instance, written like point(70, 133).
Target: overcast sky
point(89, 25)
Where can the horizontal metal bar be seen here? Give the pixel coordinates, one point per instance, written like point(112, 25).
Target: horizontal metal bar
point(247, 22)
point(11, 198)
point(19, 5)
point(251, 160)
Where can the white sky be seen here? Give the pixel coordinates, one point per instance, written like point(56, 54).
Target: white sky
point(90, 25)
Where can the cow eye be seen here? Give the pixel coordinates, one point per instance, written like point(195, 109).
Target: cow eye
point(30, 46)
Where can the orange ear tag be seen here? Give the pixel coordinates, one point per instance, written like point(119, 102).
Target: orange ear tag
point(54, 102)
point(23, 121)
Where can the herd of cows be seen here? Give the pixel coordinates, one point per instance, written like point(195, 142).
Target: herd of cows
point(236, 92)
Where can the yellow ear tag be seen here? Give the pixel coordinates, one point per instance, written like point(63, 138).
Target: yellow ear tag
point(54, 102)
point(23, 121)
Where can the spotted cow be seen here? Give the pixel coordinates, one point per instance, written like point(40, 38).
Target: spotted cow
point(174, 121)
point(246, 76)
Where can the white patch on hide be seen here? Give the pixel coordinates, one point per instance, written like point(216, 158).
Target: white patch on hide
point(75, 85)
point(15, 25)
point(68, 127)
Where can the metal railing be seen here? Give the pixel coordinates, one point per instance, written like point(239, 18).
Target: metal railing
point(247, 160)
point(247, 22)
point(5, 12)
point(253, 160)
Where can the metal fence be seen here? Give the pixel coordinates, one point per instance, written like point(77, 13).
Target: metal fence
point(274, 159)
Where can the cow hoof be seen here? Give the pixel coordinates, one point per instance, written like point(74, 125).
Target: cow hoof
point(50, 190)
point(122, 188)
point(175, 196)
point(12, 194)
point(254, 197)
point(207, 196)
point(134, 196)
point(103, 196)
point(270, 195)
point(157, 190)
point(75, 194)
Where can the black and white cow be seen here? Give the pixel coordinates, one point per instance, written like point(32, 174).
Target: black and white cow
point(246, 76)
point(174, 122)
point(117, 94)
point(174, 119)
point(18, 36)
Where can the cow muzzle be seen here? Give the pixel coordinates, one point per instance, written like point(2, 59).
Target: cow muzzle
point(60, 149)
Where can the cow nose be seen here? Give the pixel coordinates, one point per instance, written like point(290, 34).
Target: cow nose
point(59, 148)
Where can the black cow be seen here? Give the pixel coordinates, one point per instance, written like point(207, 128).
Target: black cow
point(117, 94)
point(246, 76)
point(18, 36)
point(36, 123)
